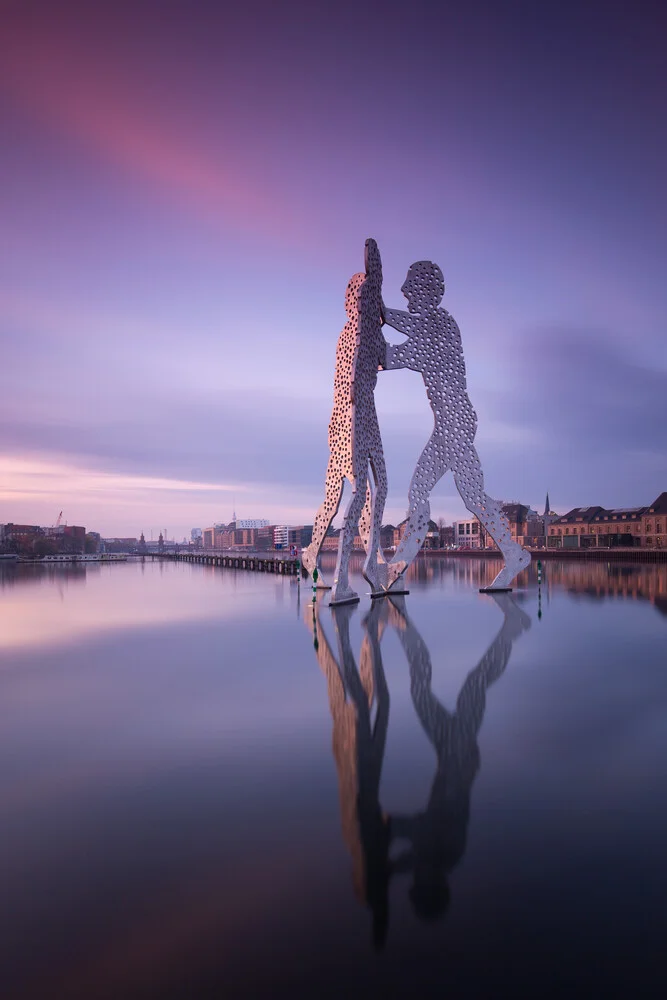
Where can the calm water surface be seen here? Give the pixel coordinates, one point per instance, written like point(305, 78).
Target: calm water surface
point(211, 787)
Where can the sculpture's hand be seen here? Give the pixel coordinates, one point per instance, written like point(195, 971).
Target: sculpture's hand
point(391, 358)
point(382, 360)
point(372, 259)
point(399, 320)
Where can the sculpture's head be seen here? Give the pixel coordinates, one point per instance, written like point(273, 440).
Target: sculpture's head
point(424, 286)
point(351, 294)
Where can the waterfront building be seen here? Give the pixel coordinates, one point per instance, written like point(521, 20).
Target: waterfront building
point(301, 535)
point(527, 527)
point(469, 534)
point(432, 539)
point(22, 534)
point(330, 543)
point(387, 536)
point(218, 536)
point(597, 527)
point(211, 538)
point(251, 524)
point(573, 530)
point(244, 538)
point(655, 524)
point(281, 536)
point(265, 540)
point(120, 544)
point(32, 538)
point(446, 536)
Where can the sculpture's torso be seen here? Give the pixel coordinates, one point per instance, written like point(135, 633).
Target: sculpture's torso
point(359, 352)
point(435, 350)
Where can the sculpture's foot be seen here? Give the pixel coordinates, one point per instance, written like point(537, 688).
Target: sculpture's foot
point(516, 559)
point(343, 595)
point(394, 572)
point(308, 560)
point(309, 563)
point(516, 621)
point(376, 574)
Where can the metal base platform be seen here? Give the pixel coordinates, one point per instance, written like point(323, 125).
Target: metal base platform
point(495, 590)
point(388, 593)
point(346, 600)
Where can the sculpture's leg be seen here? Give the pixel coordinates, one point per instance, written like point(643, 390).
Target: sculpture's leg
point(323, 518)
point(432, 465)
point(469, 481)
point(341, 589)
point(370, 529)
point(367, 514)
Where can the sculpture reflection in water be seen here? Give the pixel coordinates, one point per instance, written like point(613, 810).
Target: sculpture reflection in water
point(359, 703)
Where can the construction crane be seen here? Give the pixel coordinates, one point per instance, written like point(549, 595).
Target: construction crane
point(60, 517)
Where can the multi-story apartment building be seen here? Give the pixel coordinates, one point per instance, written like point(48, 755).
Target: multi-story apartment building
point(655, 524)
point(281, 536)
point(620, 527)
point(301, 535)
point(212, 537)
point(27, 538)
point(330, 543)
point(469, 534)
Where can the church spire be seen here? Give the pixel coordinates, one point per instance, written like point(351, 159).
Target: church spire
point(547, 507)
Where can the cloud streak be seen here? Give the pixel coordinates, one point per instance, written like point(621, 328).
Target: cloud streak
point(103, 106)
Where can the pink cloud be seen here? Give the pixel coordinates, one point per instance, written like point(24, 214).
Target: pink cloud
point(94, 98)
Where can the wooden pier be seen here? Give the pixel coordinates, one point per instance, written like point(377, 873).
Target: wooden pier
point(256, 562)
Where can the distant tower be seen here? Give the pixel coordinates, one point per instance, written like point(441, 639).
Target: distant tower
point(547, 519)
point(160, 543)
point(142, 543)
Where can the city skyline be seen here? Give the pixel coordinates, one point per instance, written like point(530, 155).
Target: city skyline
point(184, 198)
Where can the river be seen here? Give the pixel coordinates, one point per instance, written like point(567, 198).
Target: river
point(211, 786)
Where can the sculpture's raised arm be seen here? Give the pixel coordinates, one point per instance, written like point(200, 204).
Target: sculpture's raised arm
point(373, 262)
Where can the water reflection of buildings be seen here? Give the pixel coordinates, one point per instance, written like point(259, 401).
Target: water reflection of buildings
point(601, 579)
point(436, 836)
point(477, 572)
point(595, 578)
point(16, 574)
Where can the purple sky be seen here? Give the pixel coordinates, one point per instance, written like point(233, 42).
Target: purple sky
point(186, 188)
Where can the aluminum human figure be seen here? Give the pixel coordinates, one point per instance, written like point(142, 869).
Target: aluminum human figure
point(434, 349)
point(354, 434)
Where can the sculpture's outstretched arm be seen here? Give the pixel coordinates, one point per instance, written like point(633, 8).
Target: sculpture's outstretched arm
point(399, 320)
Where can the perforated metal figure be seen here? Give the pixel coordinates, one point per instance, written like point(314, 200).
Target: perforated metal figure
point(434, 349)
point(354, 435)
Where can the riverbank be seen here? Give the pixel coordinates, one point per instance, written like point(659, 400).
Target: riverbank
point(595, 555)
